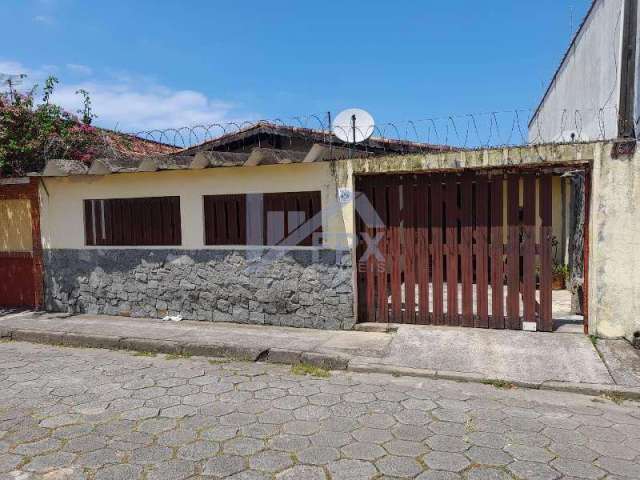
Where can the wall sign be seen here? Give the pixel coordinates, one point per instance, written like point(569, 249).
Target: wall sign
point(345, 195)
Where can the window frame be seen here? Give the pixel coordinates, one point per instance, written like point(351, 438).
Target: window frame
point(309, 202)
point(133, 222)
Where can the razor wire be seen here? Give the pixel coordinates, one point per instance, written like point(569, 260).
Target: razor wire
point(494, 129)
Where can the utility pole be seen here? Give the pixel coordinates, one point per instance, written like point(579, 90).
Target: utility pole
point(628, 74)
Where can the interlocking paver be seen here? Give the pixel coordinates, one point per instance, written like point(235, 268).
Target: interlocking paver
point(618, 467)
point(173, 469)
point(301, 427)
point(488, 456)
point(529, 453)
point(363, 451)
point(151, 455)
point(270, 461)
point(318, 455)
point(119, 472)
point(405, 448)
point(259, 430)
point(302, 471)
point(198, 450)
point(327, 438)
point(289, 443)
point(398, 466)
point(411, 432)
point(98, 458)
point(351, 470)
point(448, 461)
point(438, 475)
point(487, 473)
point(532, 471)
point(50, 461)
point(37, 448)
point(447, 443)
point(611, 449)
point(243, 446)
point(224, 466)
point(117, 416)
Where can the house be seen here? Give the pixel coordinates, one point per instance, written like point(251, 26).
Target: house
point(185, 223)
point(595, 92)
point(285, 226)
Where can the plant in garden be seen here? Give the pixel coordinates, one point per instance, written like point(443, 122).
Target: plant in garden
point(32, 132)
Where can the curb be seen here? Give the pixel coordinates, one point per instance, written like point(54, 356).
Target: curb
point(292, 357)
point(235, 352)
point(617, 391)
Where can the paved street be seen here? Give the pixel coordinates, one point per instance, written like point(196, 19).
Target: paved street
point(97, 414)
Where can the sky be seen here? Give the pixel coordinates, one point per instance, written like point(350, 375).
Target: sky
point(153, 64)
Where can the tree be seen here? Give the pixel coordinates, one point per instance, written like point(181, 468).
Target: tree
point(576, 243)
point(31, 132)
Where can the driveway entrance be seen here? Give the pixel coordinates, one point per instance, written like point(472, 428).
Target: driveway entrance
point(470, 249)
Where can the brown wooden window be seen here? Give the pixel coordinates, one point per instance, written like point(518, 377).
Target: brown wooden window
point(284, 213)
point(133, 221)
point(224, 219)
point(289, 218)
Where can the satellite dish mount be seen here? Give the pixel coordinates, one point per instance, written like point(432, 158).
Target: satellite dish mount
point(353, 126)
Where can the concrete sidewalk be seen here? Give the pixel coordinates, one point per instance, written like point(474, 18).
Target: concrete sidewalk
point(558, 361)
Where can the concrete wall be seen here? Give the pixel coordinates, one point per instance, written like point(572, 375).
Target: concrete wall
point(587, 81)
point(15, 226)
point(614, 231)
point(614, 281)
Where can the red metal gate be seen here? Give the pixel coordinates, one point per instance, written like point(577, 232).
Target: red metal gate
point(17, 285)
point(469, 249)
point(21, 278)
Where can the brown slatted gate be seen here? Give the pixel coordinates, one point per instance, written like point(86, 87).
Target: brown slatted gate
point(460, 249)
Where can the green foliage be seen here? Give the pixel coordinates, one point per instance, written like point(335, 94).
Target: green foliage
point(616, 397)
point(144, 354)
point(559, 269)
point(501, 384)
point(86, 111)
point(218, 361)
point(307, 369)
point(32, 132)
point(177, 356)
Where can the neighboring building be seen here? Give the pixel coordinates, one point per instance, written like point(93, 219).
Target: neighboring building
point(594, 94)
point(21, 270)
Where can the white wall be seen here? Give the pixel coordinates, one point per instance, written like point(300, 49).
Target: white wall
point(588, 82)
point(62, 198)
point(614, 262)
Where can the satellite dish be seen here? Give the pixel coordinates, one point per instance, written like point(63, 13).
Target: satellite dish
point(353, 125)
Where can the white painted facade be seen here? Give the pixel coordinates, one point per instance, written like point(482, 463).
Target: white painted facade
point(583, 98)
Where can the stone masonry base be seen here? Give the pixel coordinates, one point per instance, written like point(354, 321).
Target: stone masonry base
point(299, 288)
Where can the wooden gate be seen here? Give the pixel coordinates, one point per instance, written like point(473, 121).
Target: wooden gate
point(470, 249)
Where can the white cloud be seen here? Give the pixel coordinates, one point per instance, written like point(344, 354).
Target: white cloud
point(79, 69)
point(133, 108)
point(131, 102)
point(13, 68)
point(44, 19)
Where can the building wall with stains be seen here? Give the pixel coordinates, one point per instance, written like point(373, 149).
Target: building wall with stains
point(614, 282)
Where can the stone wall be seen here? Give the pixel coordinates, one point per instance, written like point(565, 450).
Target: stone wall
point(299, 288)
